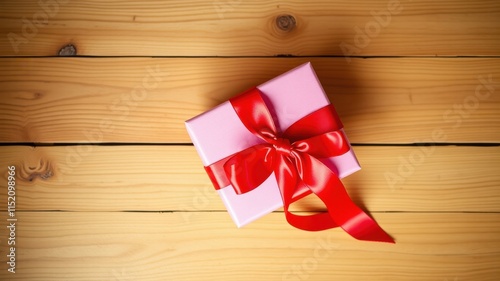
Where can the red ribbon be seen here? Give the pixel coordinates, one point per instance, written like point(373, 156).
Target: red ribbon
point(293, 157)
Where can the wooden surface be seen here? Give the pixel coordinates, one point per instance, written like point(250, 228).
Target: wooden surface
point(109, 187)
point(380, 100)
point(207, 246)
point(247, 28)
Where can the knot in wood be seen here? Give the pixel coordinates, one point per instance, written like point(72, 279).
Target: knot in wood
point(42, 170)
point(67, 51)
point(286, 22)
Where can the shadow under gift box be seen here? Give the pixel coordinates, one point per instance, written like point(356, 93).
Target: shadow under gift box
point(219, 133)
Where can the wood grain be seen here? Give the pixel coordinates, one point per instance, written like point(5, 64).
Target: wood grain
point(248, 28)
point(81, 100)
point(152, 246)
point(172, 178)
point(108, 186)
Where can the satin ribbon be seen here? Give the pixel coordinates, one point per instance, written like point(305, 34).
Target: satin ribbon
point(293, 157)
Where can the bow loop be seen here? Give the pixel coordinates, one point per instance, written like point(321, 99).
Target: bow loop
point(249, 168)
point(324, 145)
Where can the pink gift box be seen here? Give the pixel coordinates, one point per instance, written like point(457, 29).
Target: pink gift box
point(219, 133)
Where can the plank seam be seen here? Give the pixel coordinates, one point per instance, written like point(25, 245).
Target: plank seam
point(30, 144)
point(224, 211)
point(283, 56)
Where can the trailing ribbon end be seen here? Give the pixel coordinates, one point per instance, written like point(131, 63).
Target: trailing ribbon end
point(362, 227)
point(374, 233)
point(381, 237)
point(378, 237)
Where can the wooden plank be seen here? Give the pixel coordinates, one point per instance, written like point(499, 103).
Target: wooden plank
point(249, 28)
point(151, 246)
point(148, 99)
point(172, 178)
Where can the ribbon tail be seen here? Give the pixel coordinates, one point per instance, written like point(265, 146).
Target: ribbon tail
point(287, 178)
point(328, 187)
point(354, 221)
point(316, 222)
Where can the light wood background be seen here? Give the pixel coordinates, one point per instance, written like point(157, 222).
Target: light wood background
point(93, 96)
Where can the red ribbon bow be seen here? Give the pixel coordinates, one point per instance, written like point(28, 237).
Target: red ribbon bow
point(293, 157)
